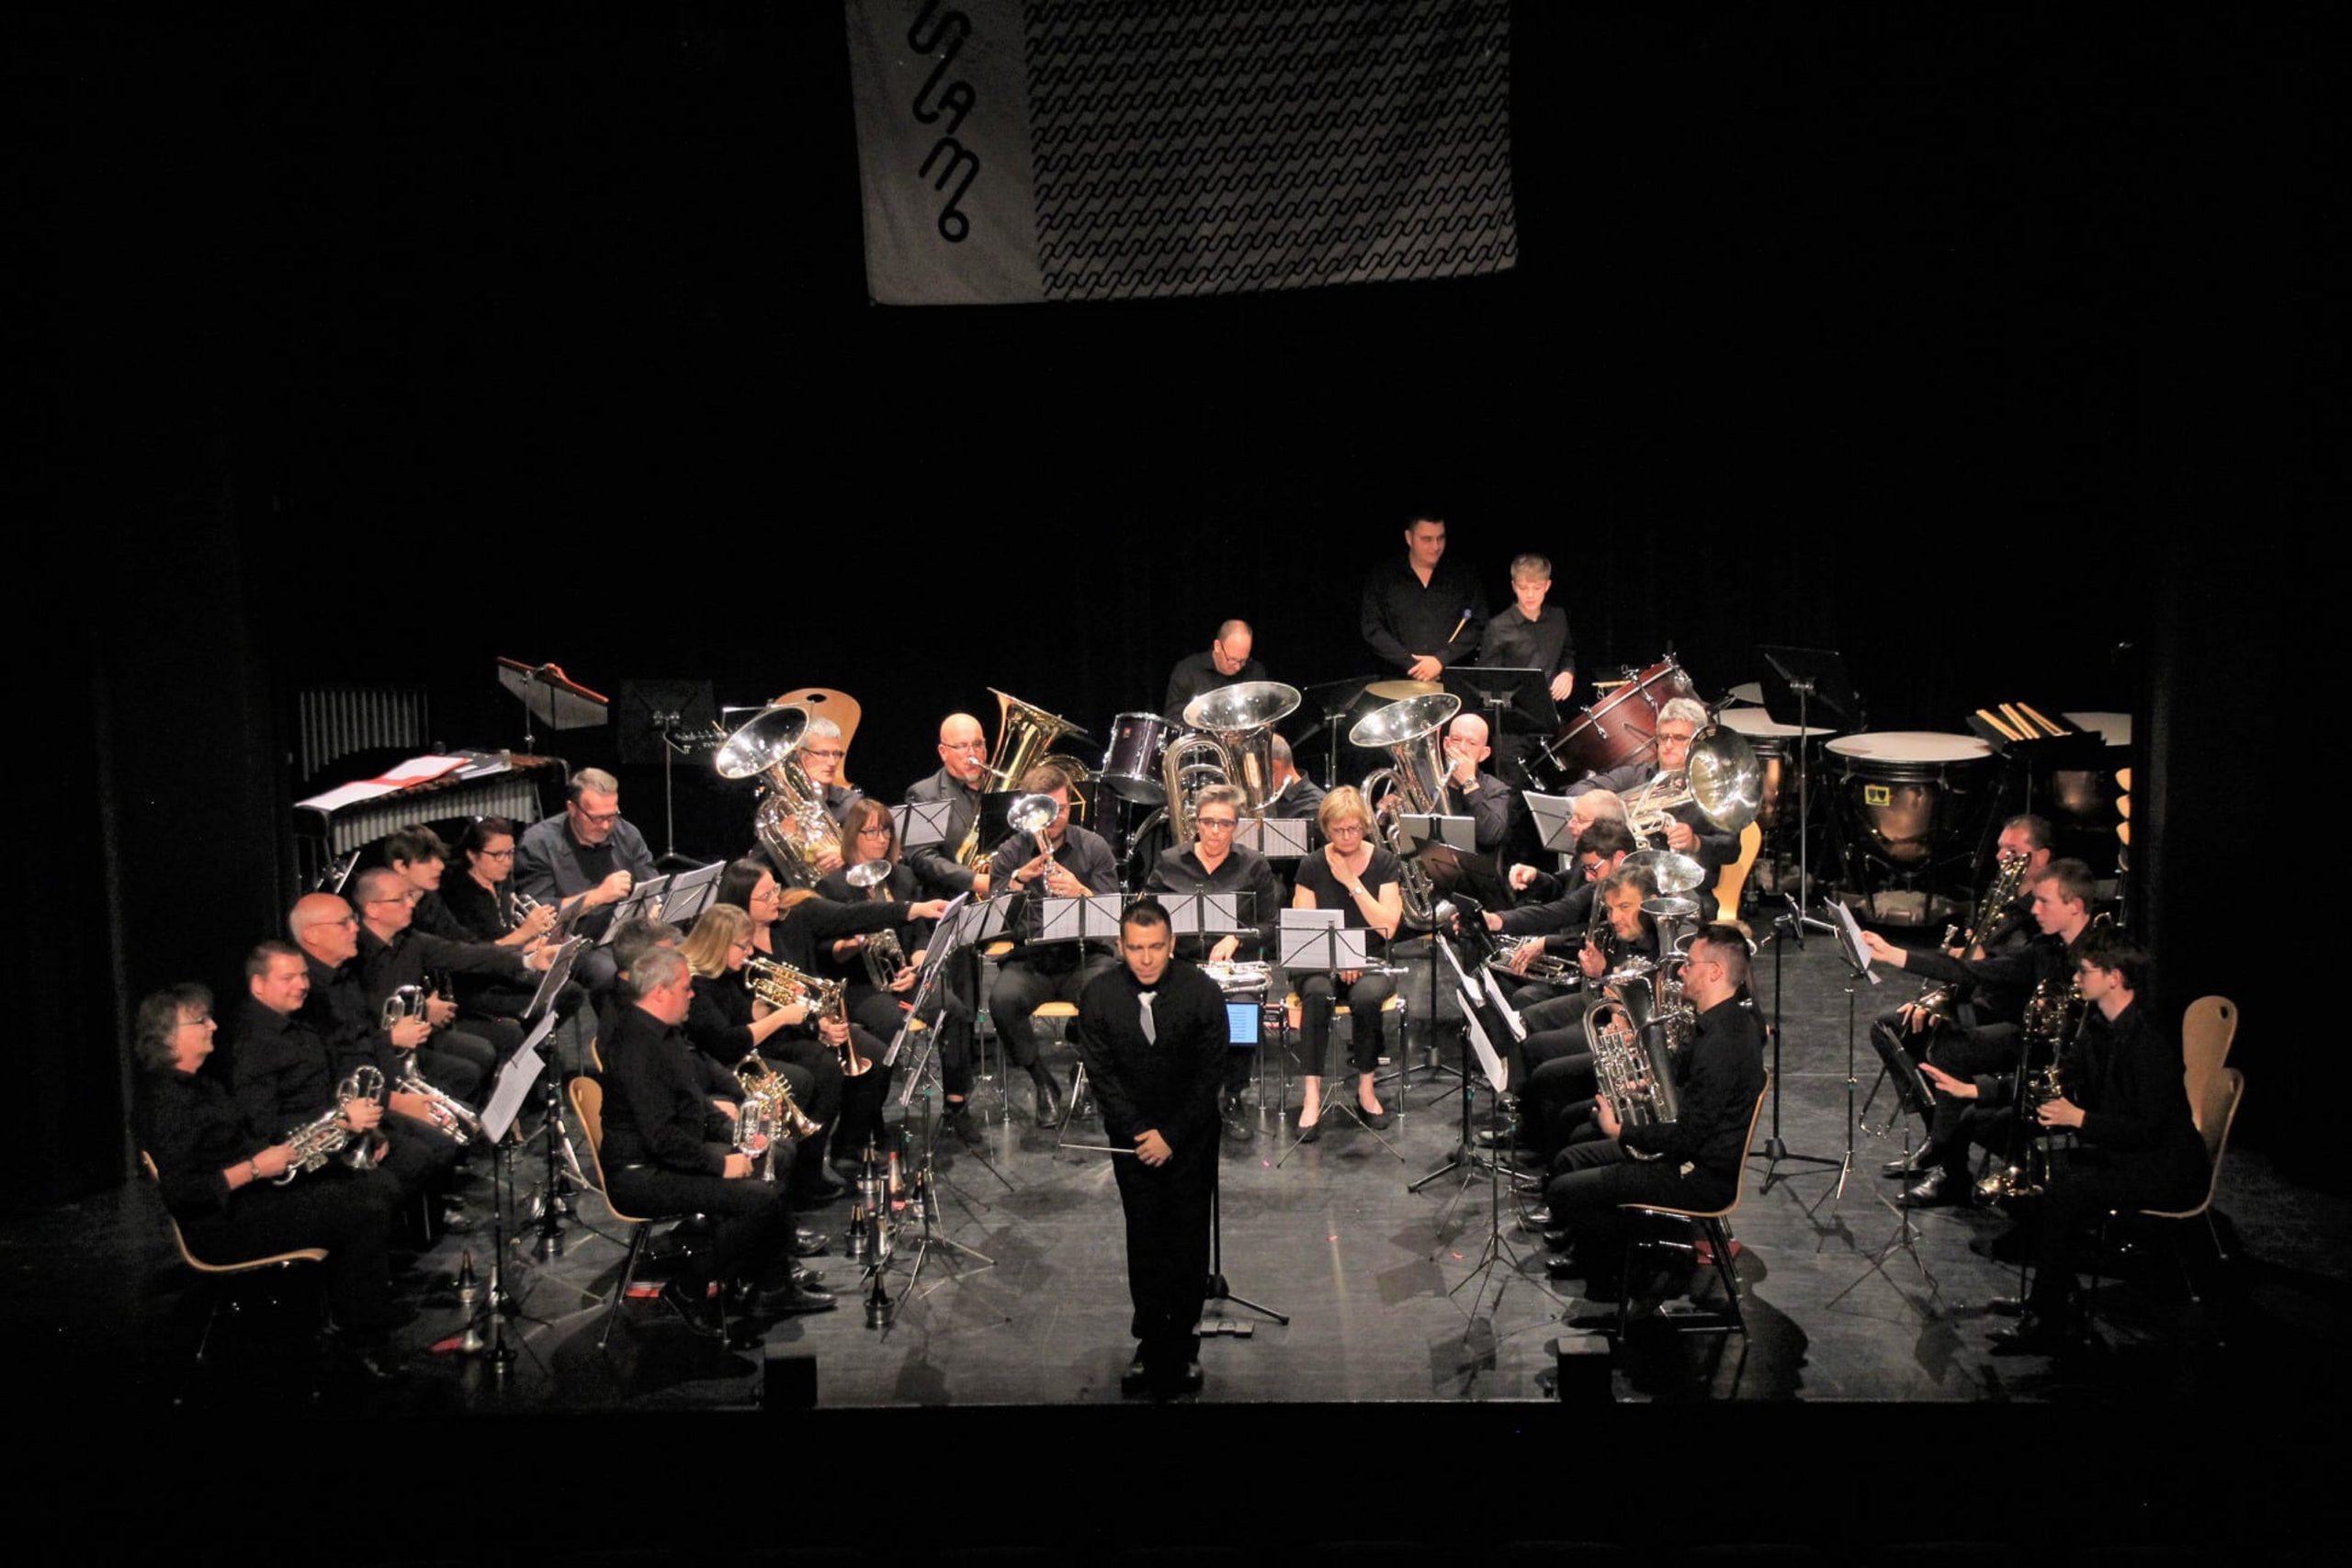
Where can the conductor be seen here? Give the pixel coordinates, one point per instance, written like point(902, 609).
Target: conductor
point(1152, 1033)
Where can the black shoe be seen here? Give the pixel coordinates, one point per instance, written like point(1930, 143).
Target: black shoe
point(1936, 1187)
point(1237, 1123)
point(2033, 1334)
point(1486, 1138)
point(1564, 1267)
point(1309, 1130)
point(822, 1186)
point(2008, 1306)
point(809, 1279)
point(1135, 1381)
point(1906, 1169)
point(807, 1243)
point(1049, 1104)
point(1183, 1381)
point(1558, 1240)
point(788, 1300)
point(1535, 1222)
point(1377, 1121)
point(692, 1301)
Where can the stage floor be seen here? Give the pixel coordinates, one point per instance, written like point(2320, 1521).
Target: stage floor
point(1381, 1284)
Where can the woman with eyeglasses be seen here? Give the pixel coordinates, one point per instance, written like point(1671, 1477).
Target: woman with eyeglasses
point(483, 899)
point(725, 1023)
point(1356, 875)
point(871, 837)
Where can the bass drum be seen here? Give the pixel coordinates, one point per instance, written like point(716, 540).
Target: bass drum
point(1909, 797)
point(1619, 728)
point(1131, 764)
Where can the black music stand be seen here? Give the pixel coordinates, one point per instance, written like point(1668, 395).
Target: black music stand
point(1329, 949)
point(664, 720)
point(1798, 683)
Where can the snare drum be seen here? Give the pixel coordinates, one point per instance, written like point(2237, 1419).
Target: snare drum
point(1131, 765)
point(1620, 728)
point(1775, 745)
point(1909, 796)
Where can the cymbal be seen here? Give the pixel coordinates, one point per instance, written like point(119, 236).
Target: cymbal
point(1672, 873)
point(1397, 691)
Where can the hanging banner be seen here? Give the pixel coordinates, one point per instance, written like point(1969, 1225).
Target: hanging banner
point(1014, 151)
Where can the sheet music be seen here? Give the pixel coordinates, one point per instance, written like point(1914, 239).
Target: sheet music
point(352, 794)
point(513, 1085)
point(1849, 938)
point(921, 823)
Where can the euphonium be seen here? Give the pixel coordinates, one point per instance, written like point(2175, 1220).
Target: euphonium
point(1635, 1076)
point(1411, 731)
point(792, 822)
point(1023, 734)
point(1721, 778)
point(1235, 725)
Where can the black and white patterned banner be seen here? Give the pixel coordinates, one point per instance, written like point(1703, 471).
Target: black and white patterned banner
point(1024, 149)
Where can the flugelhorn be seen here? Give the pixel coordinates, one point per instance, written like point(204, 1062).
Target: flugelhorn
point(768, 1114)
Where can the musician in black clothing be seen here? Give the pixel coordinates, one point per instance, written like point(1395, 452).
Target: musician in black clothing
point(963, 769)
point(726, 1024)
point(334, 1009)
point(1687, 832)
point(394, 954)
point(1530, 635)
point(1977, 1058)
point(871, 836)
point(483, 902)
point(1227, 663)
point(1152, 1033)
point(1421, 614)
point(218, 1167)
point(1074, 863)
point(669, 1148)
point(2124, 1097)
point(1692, 1162)
point(1214, 864)
point(821, 754)
point(1558, 1080)
point(1562, 922)
point(1358, 877)
point(1296, 797)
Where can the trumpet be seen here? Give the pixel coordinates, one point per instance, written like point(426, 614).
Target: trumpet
point(781, 986)
point(1547, 968)
point(448, 1115)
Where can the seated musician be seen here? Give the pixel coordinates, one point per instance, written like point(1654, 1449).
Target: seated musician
point(394, 954)
point(1074, 862)
point(1214, 864)
point(218, 1162)
point(1689, 832)
point(2061, 892)
point(1558, 1083)
point(1482, 797)
point(1296, 797)
point(963, 769)
point(821, 753)
point(1556, 929)
point(341, 1029)
point(1912, 1027)
point(483, 903)
point(669, 1148)
point(584, 861)
point(1358, 877)
point(1531, 635)
point(1692, 1162)
point(871, 835)
point(1541, 886)
point(727, 1023)
point(1227, 663)
point(2125, 1100)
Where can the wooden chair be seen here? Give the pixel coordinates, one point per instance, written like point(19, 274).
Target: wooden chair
point(2206, 1032)
point(1712, 1225)
point(1734, 880)
point(588, 1104)
point(2215, 1114)
point(219, 1274)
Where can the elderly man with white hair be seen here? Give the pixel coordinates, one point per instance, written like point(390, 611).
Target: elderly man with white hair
point(1690, 833)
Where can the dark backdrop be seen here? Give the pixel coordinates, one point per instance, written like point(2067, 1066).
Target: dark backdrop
point(376, 346)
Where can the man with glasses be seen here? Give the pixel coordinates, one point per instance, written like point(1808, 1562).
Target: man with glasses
point(1214, 864)
point(394, 954)
point(1690, 832)
point(1072, 862)
point(1227, 663)
point(821, 752)
point(963, 770)
point(587, 857)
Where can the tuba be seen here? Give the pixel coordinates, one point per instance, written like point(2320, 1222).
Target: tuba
point(1723, 779)
point(1411, 732)
point(793, 825)
point(1023, 734)
point(1235, 725)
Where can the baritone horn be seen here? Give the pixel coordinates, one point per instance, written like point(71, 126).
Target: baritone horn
point(1235, 725)
point(1024, 737)
point(1721, 778)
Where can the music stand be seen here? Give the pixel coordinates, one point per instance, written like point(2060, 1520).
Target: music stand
point(1276, 838)
point(1519, 691)
point(1315, 938)
point(670, 719)
point(1795, 681)
point(641, 896)
point(690, 893)
point(922, 823)
point(551, 697)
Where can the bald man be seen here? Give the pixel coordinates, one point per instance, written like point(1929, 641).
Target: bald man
point(962, 775)
point(1227, 663)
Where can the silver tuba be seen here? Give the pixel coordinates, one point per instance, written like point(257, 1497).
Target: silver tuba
point(793, 825)
point(1412, 733)
point(1235, 725)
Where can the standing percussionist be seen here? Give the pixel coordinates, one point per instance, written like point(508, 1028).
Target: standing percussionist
point(1070, 862)
point(589, 857)
point(1531, 635)
point(1152, 1034)
point(1214, 864)
point(1227, 663)
point(1420, 614)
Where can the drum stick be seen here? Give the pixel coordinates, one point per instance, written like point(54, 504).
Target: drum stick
point(2006, 733)
point(2036, 715)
